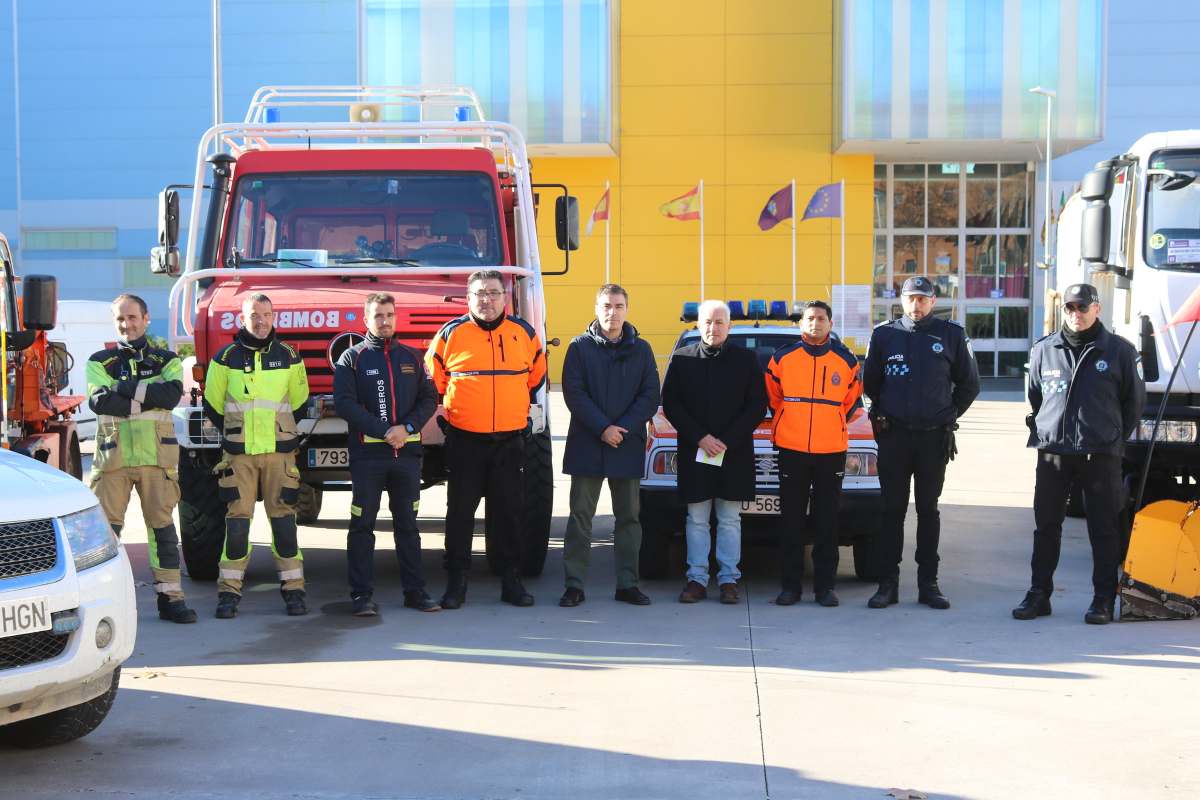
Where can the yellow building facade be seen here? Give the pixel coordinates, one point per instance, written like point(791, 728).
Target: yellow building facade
point(741, 95)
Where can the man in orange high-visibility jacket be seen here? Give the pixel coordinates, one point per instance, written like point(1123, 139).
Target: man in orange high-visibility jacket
point(487, 364)
point(812, 386)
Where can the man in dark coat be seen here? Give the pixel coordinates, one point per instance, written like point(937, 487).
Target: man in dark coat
point(715, 397)
point(610, 384)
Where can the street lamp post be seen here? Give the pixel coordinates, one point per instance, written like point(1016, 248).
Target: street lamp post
point(1048, 256)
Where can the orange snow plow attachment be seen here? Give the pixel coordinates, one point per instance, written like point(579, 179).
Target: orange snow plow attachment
point(1161, 574)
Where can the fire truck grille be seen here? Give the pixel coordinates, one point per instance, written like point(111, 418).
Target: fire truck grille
point(27, 548)
point(31, 648)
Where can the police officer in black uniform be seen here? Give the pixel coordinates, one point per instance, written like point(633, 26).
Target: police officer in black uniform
point(921, 377)
point(1087, 393)
point(381, 389)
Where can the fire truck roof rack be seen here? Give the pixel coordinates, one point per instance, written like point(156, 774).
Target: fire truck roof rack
point(437, 103)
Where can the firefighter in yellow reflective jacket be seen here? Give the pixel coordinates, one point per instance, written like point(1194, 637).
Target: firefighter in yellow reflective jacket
point(253, 393)
point(132, 387)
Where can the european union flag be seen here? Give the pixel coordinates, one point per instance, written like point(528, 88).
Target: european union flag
point(826, 202)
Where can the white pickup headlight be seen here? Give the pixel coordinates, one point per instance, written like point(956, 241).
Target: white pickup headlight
point(91, 537)
point(861, 465)
point(1169, 430)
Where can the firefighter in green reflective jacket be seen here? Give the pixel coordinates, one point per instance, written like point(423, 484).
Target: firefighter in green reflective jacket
point(254, 392)
point(132, 387)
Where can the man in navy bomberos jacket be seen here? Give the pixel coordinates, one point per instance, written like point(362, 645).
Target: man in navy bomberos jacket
point(383, 392)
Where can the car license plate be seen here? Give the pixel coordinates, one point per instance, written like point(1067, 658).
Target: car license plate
point(762, 504)
point(325, 457)
point(27, 615)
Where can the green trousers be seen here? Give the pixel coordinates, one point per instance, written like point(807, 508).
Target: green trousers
point(627, 530)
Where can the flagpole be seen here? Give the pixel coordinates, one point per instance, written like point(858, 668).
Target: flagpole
point(607, 222)
point(793, 241)
point(842, 203)
point(701, 185)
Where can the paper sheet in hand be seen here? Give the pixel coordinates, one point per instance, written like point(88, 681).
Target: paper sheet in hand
point(705, 458)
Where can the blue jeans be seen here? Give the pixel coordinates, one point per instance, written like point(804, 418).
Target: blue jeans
point(729, 540)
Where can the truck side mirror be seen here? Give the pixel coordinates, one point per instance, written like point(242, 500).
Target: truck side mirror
point(1096, 189)
point(566, 222)
point(164, 259)
point(39, 302)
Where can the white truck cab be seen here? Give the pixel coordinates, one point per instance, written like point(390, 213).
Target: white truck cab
point(67, 613)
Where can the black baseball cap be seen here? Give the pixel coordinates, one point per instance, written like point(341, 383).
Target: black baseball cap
point(919, 285)
point(1082, 293)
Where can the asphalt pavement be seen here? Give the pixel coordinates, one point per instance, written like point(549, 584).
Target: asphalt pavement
point(668, 701)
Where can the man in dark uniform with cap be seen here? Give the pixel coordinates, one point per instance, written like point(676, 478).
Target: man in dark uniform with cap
point(921, 377)
point(1087, 393)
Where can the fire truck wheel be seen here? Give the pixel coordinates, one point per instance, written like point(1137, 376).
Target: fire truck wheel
point(74, 464)
point(201, 514)
point(539, 502)
point(308, 504)
point(539, 509)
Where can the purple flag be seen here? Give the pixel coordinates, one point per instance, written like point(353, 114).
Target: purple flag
point(777, 209)
point(825, 202)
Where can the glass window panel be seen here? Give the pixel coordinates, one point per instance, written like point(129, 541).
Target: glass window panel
point(1014, 322)
point(987, 363)
point(908, 196)
point(980, 322)
point(881, 279)
point(943, 195)
point(908, 259)
point(880, 196)
point(943, 264)
point(1012, 363)
point(981, 196)
point(1014, 196)
point(881, 314)
point(945, 312)
point(981, 265)
point(1014, 266)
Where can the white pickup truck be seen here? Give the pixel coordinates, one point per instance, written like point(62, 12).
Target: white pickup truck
point(67, 613)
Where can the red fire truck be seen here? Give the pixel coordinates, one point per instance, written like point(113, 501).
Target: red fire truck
point(402, 190)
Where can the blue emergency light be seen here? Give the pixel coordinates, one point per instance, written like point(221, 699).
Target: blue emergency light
point(462, 114)
point(736, 309)
point(272, 115)
point(779, 309)
point(758, 309)
point(691, 312)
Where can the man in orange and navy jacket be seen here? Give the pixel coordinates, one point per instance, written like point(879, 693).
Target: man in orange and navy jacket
point(487, 365)
point(812, 387)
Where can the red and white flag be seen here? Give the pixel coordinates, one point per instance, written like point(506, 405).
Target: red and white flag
point(1189, 311)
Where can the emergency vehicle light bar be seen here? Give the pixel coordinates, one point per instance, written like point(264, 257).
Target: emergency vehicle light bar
point(757, 310)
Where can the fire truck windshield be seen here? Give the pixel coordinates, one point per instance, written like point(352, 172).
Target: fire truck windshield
point(1172, 238)
point(418, 218)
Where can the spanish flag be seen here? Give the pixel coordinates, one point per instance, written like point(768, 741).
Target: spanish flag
point(600, 212)
point(684, 207)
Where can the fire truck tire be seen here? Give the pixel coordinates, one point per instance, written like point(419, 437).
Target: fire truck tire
point(74, 462)
point(539, 503)
point(64, 725)
point(201, 514)
point(308, 504)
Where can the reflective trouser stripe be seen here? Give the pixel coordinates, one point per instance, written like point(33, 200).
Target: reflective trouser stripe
point(234, 406)
point(291, 574)
point(164, 588)
point(233, 574)
point(157, 414)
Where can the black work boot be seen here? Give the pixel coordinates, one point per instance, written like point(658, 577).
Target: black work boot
point(175, 610)
point(1036, 604)
point(420, 600)
point(294, 600)
point(929, 594)
point(888, 594)
point(456, 591)
point(1100, 612)
point(512, 590)
point(227, 605)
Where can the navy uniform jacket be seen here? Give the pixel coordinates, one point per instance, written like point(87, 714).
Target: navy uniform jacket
point(377, 384)
point(1088, 404)
point(920, 374)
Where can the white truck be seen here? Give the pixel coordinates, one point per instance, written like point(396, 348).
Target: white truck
point(1133, 231)
point(67, 613)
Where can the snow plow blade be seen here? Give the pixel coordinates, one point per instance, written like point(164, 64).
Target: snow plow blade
point(1161, 575)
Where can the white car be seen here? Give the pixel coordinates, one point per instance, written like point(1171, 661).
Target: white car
point(67, 613)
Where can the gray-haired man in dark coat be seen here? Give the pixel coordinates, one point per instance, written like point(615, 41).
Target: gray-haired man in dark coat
point(610, 384)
